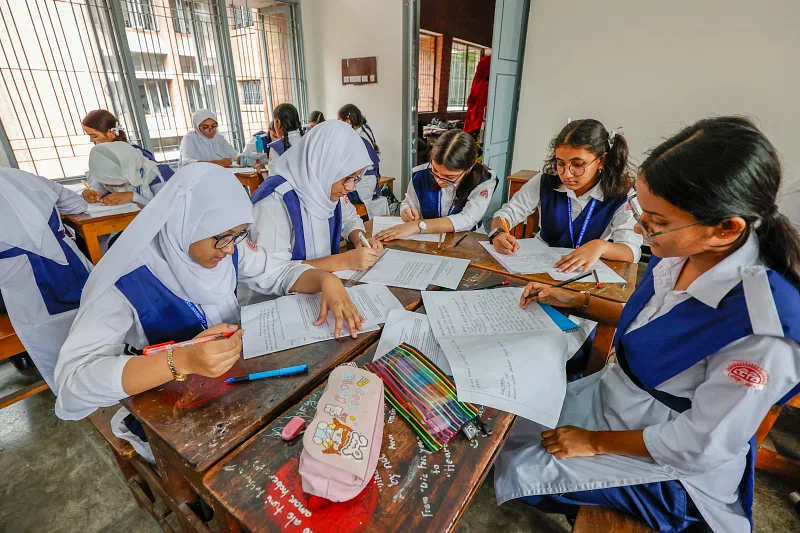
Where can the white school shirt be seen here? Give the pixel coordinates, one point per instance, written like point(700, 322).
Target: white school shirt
point(526, 200)
point(294, 138)
point(208, 151)
point(705, 447)
point(474, 210)
point(137, 198)
point(89, 371)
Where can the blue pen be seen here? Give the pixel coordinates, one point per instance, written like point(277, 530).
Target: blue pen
point(280, 372)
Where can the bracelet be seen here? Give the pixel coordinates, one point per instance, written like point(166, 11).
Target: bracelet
point(585, 306)
point(171, 362)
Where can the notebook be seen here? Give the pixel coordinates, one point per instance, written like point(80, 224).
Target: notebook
point(565, 324)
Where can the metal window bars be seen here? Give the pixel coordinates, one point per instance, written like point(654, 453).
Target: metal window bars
point(426, 102)
point(464, 60)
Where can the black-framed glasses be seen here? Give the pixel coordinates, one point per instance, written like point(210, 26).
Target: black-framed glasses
point(648, 236)
point(227, 240)
point(352, 182)
point(209, 128)
point(451, 182)
point(576, 169)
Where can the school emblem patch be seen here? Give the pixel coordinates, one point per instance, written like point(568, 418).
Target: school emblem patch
point(485, 194)
point(250, 244)
point(747, 374)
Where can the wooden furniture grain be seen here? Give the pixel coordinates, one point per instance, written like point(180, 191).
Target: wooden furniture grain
point(90, 228)
point(10, 345)
point(250, 181)
point(527, 229)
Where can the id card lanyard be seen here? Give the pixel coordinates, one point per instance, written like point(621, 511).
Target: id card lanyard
point(439, 205)
point(592, 204)
point(198, 313)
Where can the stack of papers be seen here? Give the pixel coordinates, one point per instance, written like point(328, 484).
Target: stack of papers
point(100, 210)
point(381, 223)
point(411, 270)
point(288, 322)
point(536, 257)
point(414, 329)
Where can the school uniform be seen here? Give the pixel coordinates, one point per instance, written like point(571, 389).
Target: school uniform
point(276, 148)
point(122, 167)
point(423, 196)
point(42, 272)
point(165, 170)
point(368, 191)
point(197, 147)
point(698, 370)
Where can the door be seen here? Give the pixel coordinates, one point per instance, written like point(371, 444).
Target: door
point(508, 46)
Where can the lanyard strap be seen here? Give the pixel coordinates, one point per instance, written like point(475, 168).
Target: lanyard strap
point(439, 205)
point(198, 314)
point(585, 225)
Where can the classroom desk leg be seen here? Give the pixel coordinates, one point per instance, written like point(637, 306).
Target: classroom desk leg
point(181, 493)
point(92, 243)
point(603, 340)
point(225, 522)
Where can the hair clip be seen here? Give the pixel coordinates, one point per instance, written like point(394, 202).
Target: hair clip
point(118, 128)
point(612, 135)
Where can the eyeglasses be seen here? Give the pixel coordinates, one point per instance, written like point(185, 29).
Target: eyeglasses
point(451, 182)
point(352, 182)
point(648, 236)
point(576, 169)
point(227, 240)
point(209, 128)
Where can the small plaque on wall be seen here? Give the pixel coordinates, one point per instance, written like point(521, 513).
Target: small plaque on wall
point(359, 70)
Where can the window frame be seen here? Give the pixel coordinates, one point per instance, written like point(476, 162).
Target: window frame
point(467, 83)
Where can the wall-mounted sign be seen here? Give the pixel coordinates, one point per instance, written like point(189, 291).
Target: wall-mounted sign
point(359, 70)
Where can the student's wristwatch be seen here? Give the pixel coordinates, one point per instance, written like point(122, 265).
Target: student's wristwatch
point(422, 226)
point(175, 374)
point(494, 233)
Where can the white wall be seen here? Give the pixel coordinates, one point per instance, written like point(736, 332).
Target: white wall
point(653, 67)
point(339, 29)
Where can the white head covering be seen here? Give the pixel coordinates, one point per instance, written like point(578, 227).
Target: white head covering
point(326, 154)
point(26, 204)
point(199, 147)
point(198, 202)
point(122, 166)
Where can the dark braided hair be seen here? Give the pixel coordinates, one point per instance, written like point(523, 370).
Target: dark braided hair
point(290, 121)
point(357, 119)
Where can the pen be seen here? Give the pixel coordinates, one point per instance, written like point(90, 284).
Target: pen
point(156, 348)
point(596, 279)
point(495, 286)
point(280, 372)
point(459, 240)
point(364, 239)
point(439, 247)
point(220, 155)
point(565, 282)
point(87, 186)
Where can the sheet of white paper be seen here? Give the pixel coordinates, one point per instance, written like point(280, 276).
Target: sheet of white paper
point(414, 329)
point(450, 272)
point(517, 373)
point(263, 333)
point(381, 223)
point(242, 170)
point(298, 312)
point(535, 257)
point(345, 274)
point(413, 270)
point(100, 210)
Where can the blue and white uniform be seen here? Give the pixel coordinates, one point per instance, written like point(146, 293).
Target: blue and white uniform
point(274, 149)
point(721, 353)
point(195, 146)
point(42, 272)
point(121, 167)
point(367, 191)
point(432, 202)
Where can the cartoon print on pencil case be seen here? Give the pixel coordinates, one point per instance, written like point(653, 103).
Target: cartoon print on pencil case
point(363, 381)
point(336, 438)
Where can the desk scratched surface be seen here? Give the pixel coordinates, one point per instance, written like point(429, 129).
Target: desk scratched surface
point(412, 489)
point(203, 419)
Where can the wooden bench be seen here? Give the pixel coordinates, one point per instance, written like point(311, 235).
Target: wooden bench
point(389, 182)
point(527, 229)
point(10, 345)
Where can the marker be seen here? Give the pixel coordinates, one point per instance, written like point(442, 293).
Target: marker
point(364, 239)
point(157, 348)
point(503, 284)
point(280, 372)
point(597, 279)
point(459, 240)
point(565, 282)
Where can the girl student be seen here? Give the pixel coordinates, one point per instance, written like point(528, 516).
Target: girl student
point(42, 272)
point(303, 209)
point(582, 199)
point(173, 277)
point(368, 191)
point(449, 194)
point(120, 173)
point(284, 130)
point(707, 343)
point(316, 117)
point(204, 143)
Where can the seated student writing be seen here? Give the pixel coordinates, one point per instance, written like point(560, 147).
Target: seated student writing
point(303, 208)
point(42, 272)
point(285, 130)
point(119, 173)
point(449, 194)
point(205, 143)
point(172, 276)
point(581, 196)
point(707, 343)
point(367, 191)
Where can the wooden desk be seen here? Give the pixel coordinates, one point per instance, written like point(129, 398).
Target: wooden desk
point(411, 490)
point(251, 181)
point(516, 180)
point(193, 424)
point(92, 227)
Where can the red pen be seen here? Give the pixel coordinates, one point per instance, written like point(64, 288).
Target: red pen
point(157, 348)
point(596, 279)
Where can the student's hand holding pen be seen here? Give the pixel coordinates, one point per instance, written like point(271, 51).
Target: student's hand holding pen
point(336, 300)
point(117, 198)
point(550, 296)
point(409, 214)
point(505, 243)
point(90, 196)
point(211, 359)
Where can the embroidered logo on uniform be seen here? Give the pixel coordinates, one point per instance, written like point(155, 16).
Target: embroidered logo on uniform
point(346, 199)
point(748, 374)
point(751, 270)
point(253, 246)
point(485, 194)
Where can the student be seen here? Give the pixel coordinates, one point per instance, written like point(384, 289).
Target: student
point(449, 194)
point(588, 176)
point(368, 192)
point(42, 272)
point(303, 208)
point(285, 129)
point(707, 343)
point(316, 117)
point(102, 127)
point(171, 277)
point(205, 144)
point(119, 173)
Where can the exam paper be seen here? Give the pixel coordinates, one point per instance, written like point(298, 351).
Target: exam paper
point(263, 333)
point(298, 312)
point(414, 329)
point(100, 210)
point(411, 270)
point(381, 223)
point(241, 170)
point(535, 257)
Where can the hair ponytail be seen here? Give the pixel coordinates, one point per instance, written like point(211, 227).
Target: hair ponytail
point(103, 120)
point(779, 246)
point(457, 151)
point(351, 112)
point(290, 121)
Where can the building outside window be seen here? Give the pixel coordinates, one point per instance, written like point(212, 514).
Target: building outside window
point(463, 63)
point(242, 17)
point(426, 77)
point(251, 92)
point(138, 14)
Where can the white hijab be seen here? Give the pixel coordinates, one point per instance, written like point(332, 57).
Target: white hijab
point(199, 201)
point(26, 204)
point(326, 154)
point(123, 167)
point(201, 148)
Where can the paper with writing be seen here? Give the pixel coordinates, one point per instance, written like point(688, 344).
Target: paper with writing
point(414, 329)
point(412, 270)
point(100, 210)
point(381, 223)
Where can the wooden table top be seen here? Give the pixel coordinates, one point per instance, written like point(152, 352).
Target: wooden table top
point(203, 419)
point(522, 175)
point(412, 489)
point(82, 219)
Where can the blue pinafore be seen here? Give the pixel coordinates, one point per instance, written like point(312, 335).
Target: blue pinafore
point(430, 195)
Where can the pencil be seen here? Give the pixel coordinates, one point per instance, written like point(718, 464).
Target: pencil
point(505, 226)
point(565, 282)
point(439, 247)
point(459, 240)
point(87, 186)
point(596, 279)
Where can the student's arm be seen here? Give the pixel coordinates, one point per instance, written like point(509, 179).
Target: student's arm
point(68, 202)
point(475, 209)
point(334, 299)
point(514, 212)
point(268, 273)
point(97, 190)
point(598, 309)
point(409, 207)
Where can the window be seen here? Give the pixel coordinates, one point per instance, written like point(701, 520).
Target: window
point(139, 15)
point(242, 17)
point(463, 62)
point(148, 62)
point(181, 16)
point(188, 64)
point(426, 77)
point(194, 95)
point(155, 96)
point(251, 92)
